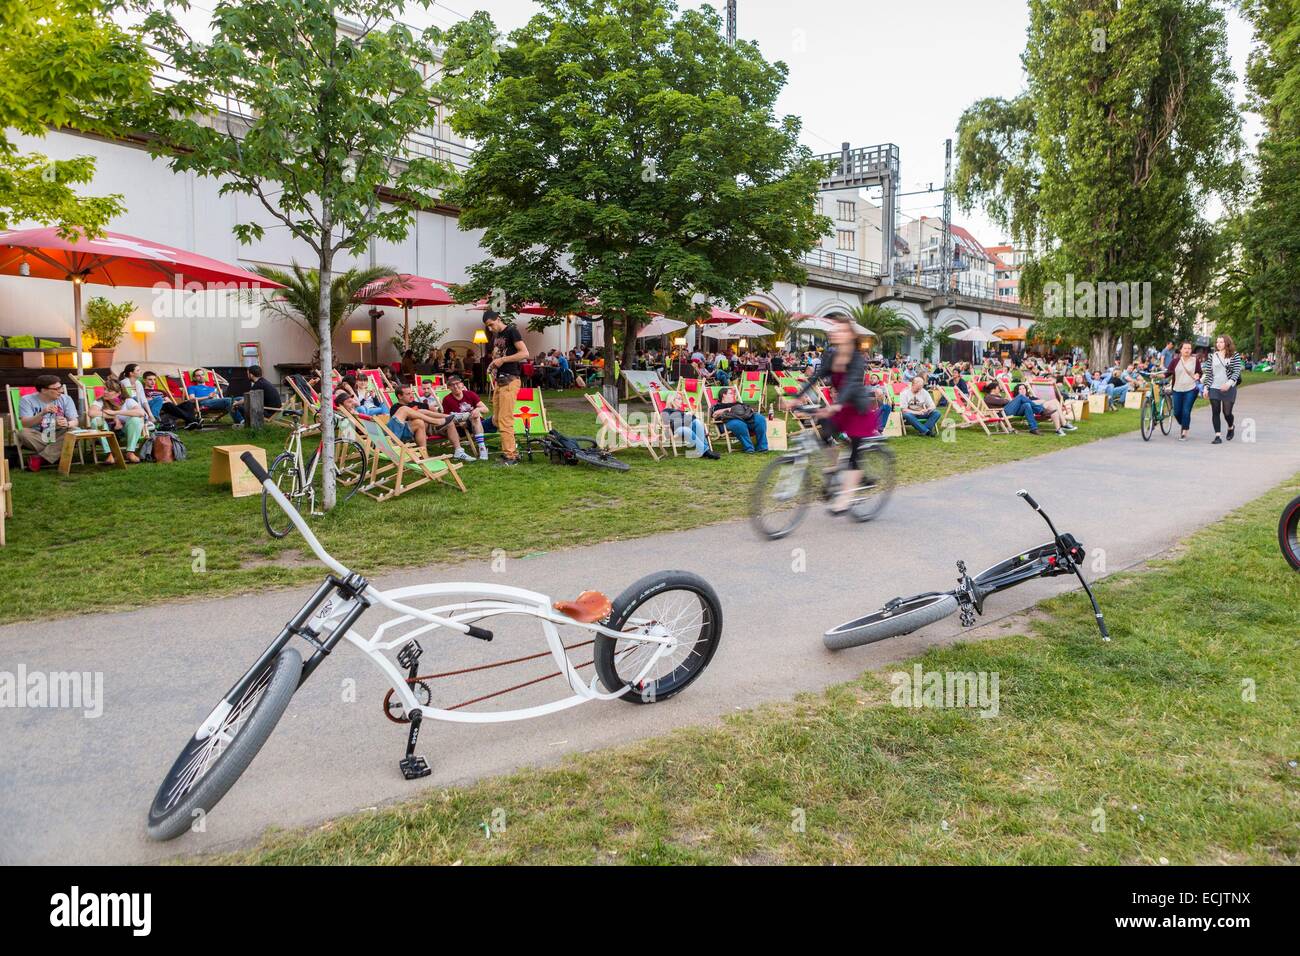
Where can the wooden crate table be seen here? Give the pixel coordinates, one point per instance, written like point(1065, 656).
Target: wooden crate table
point(76, 436)
point(227, 469)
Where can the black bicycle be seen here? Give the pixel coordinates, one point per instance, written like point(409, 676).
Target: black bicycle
point(562, 449)
point(1288, 532)
point(903, 615)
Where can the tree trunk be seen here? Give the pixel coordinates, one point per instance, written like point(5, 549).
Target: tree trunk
point(1283, 359)
point(1101, 348)
point(608, 387)
point(629, 341)
point(326, 363)
point(1126, 352)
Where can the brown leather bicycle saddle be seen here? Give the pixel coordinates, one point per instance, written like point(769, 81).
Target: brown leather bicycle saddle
point(587, 608)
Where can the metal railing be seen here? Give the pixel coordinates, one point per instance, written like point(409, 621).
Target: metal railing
point(838, 262)
point(866, 163)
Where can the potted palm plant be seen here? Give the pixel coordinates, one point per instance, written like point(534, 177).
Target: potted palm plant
point(105, 326)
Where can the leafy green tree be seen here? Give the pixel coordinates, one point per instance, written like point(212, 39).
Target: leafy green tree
point(300, 300)
point(327, 94)
point(64, 63)
point(1126, 129)
point(625, 149)
point(890, 327)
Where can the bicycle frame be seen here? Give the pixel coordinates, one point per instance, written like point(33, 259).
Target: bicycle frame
point(323, 624)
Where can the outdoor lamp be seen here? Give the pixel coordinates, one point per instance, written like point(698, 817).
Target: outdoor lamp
point(780, 343)
point(86, 360)
point(145, 328)
point(744, 343)
point(361, 338)
point(680, 340)
point(480, 337)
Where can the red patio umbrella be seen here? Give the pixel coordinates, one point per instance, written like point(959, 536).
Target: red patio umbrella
point(717, 315)
point(114, 259)
point(528, 308)
point(411, 293)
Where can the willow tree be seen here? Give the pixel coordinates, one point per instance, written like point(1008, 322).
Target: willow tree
point(626, 150)
point(1104, 164)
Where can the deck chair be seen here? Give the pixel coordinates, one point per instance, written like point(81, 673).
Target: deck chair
point(208, 377)
point(700, 399)
point(396, 468)
point(307, 397)
point(376, 376)
point(531, 420)
point(612, 423)
point(1045, 390)
point(965, 414)
point(6, 487)
point(752, 388)
point(789, 383)
point(15, 394)
point(90, 388)
point(641, 382)
point(423, 382)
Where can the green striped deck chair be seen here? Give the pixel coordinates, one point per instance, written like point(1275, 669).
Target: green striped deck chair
point(752, 388)
point(396, 468)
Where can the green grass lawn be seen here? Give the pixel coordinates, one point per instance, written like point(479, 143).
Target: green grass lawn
point(1175, 743)
point(102, 539)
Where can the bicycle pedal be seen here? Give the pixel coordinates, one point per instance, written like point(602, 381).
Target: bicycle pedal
point(410, 654)
point(413, 768)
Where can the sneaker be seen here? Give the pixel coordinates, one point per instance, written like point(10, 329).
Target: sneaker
point(34, 463)
point(1071, 428)
point(483, 454)
point(1035, 432)
point(1182, 438)
point(509, 462)
point(1231, 431)
point(193, 426)
point(461, 455)
point(1217, 440)
point(711, 455)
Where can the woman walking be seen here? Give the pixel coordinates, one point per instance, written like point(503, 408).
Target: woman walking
point(1182, 369)
point(1221, 373)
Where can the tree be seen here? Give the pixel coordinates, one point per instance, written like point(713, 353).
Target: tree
point(300, 300)
point(327, 94)
point(625, 149)
point(1126, 129)
point(65, 63)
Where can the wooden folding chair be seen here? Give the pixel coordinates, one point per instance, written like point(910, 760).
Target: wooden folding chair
point(965, 414)
point(395, 467)
point(614, 423)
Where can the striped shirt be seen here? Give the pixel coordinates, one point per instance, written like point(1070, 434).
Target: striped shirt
point(1233, 366)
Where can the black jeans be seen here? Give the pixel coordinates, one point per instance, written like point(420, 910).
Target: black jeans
point(1222, 401)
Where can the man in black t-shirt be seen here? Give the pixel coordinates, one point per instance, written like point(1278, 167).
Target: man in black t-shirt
point(505, 371)
point(271, 401)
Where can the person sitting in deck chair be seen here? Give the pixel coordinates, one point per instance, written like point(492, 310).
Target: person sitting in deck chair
point(413, 420)
point(685, 425)
point(204, 392)
point(468, 411)
point(741, 420)
point(271, 401)
point(1025, 404)
point(918, 407)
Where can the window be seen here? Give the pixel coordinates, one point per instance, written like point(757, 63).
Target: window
point(847, 210)
point(845, 239)
point(820, 205)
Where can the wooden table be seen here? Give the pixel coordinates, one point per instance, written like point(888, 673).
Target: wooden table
point(227, 469)
point(72, 439)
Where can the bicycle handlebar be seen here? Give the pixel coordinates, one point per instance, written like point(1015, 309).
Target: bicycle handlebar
point(255, 466)
point(1029, 499)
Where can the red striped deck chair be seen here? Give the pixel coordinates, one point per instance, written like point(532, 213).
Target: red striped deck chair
point(615, 433)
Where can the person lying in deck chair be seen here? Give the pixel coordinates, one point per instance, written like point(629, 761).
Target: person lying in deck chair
point(413, 420)
point(468, 411)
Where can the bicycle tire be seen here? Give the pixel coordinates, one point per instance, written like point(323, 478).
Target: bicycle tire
point(1166, 414)
point(171, 814)
point(911, 615)
point(767, 521)
point(601, 461)
point(1146, 418)
point(348, 480)
point(1288, 533)
point(654, 587)
point(283, 468)
point(878, 466)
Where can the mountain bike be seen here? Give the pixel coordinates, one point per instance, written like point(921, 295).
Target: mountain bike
point(295, 476)
point(1288, 532)
point(903, 615)
point(1157, 406)
point(788, 484)
point(648, 644)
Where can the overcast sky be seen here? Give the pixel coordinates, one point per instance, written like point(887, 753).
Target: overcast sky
point(868, 72)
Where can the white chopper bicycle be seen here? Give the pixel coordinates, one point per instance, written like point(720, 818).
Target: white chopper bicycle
point(650, 642)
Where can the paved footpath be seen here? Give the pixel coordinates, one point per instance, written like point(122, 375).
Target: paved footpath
point(75, 789)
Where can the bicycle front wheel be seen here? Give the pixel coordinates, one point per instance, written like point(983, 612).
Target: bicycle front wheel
point(1288, 533)
point(1147, 418)
point(781, 496)
point(284, 475)
point(1166, 414)
point(350, 469)
point(877, 464)
point(601, 460)
point(674, 604)
point(911, 615)
point(207, 768)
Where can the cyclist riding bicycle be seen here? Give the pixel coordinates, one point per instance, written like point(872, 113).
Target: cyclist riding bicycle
point(854, 413)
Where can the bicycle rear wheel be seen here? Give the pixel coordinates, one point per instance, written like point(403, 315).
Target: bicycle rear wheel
point(877, 464)
point(1166, 414)
point(349, 469)
point(781, 496)
point(1288, 533)
point(1147, 417)
point(912, 615)
point(668, 603)
point(208, 768)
